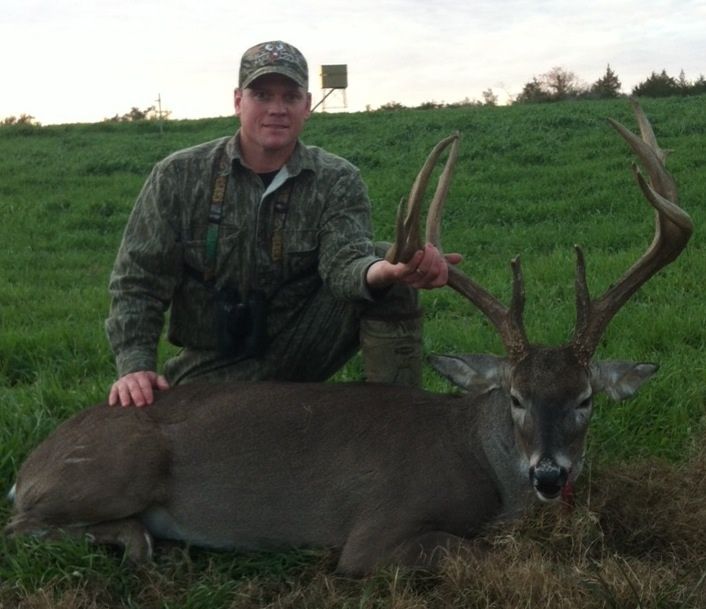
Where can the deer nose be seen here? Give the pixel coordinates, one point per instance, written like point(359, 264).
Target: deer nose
point(548, 479)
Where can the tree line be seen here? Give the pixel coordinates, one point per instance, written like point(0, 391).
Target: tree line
point(560, 84)
point(135, 114)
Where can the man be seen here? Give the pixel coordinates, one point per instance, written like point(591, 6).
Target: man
point(262, 248)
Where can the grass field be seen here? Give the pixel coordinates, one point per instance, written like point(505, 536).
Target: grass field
point(531, 180)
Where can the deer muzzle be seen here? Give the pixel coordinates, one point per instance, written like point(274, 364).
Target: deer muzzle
point(548, 479)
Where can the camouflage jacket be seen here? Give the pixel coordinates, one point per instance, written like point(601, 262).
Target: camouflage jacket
point(325, 236)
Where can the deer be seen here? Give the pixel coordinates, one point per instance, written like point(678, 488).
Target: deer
point(380, 474)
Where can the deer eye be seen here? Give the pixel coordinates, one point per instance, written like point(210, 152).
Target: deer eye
point(586, 404)
point(516, 402)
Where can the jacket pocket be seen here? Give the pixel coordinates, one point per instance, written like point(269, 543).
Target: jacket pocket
point(229, 256)
point(301, 253)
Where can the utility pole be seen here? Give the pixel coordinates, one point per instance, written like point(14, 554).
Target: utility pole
point(160, 114)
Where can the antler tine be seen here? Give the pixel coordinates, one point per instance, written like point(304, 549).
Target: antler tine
point(673, 229)
point(646, 131)
point(407, 236)
point(436, 207)
point(508, 322)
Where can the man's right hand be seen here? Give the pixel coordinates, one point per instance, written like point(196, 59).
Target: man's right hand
point(136, 388)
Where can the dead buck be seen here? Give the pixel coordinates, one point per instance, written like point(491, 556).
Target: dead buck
point(380, 473)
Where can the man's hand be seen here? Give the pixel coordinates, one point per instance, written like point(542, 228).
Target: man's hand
point(136, 388)
point(426, 270)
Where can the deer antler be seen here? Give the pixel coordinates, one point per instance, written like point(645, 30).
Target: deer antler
point(673, 228)
point(508, 322)
point(407, 238)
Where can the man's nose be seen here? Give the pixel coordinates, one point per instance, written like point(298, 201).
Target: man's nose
point(277, 106)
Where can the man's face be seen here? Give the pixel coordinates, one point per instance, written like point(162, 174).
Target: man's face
point(272, 112)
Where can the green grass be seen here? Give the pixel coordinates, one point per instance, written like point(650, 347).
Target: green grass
point(531, 180)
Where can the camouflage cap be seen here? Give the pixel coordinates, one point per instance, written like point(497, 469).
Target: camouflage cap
point(274, 57)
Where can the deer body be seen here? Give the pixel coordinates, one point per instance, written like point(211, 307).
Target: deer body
point(378, 472)
point(361, 468)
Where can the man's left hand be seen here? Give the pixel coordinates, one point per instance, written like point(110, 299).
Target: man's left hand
point(427, 269)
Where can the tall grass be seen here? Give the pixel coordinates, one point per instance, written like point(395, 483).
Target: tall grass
point(531, 180)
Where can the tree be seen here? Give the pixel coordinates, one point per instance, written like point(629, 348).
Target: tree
point(22, 119)
point(686, 87)
point(555, 85)
point(607, 86)
point(683, 84)
point(532, 92)
point(135, 114)
point(489, 98)
point(657, 85)
point(698, 86)
point(466, 102)
point(430, 105)
point(391, 105)
point(562, 84)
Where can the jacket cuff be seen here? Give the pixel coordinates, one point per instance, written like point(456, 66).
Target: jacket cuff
point(364, 291)
point(136, 359)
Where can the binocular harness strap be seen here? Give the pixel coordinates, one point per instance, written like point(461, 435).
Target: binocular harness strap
point(215, 215)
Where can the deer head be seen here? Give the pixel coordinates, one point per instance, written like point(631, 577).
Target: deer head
point(549, 390)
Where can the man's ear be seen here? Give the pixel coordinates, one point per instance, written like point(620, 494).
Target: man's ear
point(237, 98)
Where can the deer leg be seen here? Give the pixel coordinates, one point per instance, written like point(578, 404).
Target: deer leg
point(22, 524)
point(430, 550)
point(367, 549)
point(128, 533)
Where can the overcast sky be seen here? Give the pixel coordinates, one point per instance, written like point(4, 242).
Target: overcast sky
point(84, 60)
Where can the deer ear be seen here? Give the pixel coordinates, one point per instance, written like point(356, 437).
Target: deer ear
point(620, 380)
point(476, 373)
